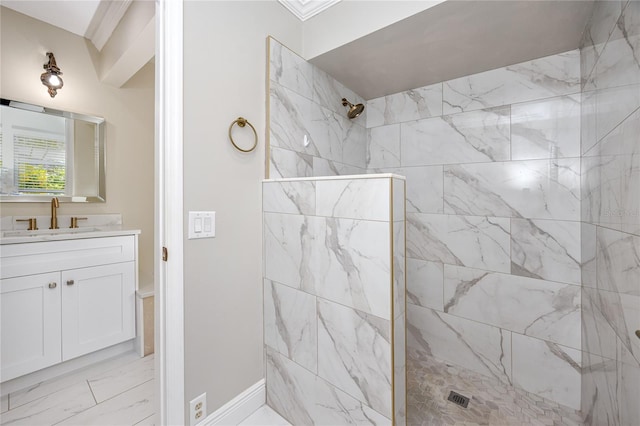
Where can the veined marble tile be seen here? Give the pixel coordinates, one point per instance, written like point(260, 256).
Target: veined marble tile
point(48, 387)
point(290, 324)
point(400, 369)
point(628, 387)
point(114, 382)
point(327, 130)
point(424, 187)
point(623, 140)
point(537, 308)
point(127, 408)
point(618, 262)
point(296, 197)
point(354, 354)
point(383, 149)
point(549, 128)
point(535, 189)
point(611, 192)
point(612, 107)
point(291, 120)
point(284, 163)
point(348, 262)
point(52, 408)
point(588, 120)
point(413, 104)
point(478, 347)
point(546, 249)
point(289, 241)
point(537, 79)
point(547, 369)
point(598, 392)
point(588, 254)
point(601, 25)
point(5, 403)
point(425, 281)
point(323, 167)
point(152, 420)
point(355, 145)
point(328, 92)
point(290, 70)
point(399, 199)
point(619, 61)
point(354, 198)
point(473, 137)
point(474, 241)
point(598, 336)
point(304, 399)
point(622, 312)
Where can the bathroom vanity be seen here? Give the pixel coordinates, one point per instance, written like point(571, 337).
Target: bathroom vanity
point(65, 294)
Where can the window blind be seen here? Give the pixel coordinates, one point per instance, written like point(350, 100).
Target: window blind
point(39, 164)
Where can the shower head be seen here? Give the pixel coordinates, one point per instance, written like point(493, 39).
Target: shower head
point(354, 110)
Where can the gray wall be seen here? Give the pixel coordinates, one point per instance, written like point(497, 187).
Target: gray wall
point(225, 57)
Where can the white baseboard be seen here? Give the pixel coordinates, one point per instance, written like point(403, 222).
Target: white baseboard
point(240, 407)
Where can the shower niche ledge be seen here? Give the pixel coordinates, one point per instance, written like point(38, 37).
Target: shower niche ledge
point(334, 295)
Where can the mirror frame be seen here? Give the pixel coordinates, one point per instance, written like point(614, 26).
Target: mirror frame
point(101, 147)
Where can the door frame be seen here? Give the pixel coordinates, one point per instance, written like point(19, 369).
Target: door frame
point(168, 220)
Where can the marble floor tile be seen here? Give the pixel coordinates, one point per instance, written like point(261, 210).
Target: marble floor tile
point(58, 399)
point(264, 416)
point(45, 388)
point(113, 382)
point(149, 421)
point(128, 408)
point(52, 408)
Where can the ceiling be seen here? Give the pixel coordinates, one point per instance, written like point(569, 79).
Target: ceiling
point(454, 39)
point(93, 19)
point(449, 40)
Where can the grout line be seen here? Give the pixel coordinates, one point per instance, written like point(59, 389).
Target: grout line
point(91, 390)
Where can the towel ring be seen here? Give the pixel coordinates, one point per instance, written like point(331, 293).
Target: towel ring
point(241, 123)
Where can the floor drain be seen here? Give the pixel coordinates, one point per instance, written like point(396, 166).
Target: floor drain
point(458, 399)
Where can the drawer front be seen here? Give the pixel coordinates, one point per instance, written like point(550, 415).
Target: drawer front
point(34, 258)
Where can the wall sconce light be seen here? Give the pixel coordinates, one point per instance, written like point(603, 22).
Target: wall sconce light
point(51, 78)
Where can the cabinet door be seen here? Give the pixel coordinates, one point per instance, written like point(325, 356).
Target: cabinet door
point(30, 323)
point(98, 308)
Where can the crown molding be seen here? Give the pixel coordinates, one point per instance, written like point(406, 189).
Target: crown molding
point(305, 9)
point(105, 21)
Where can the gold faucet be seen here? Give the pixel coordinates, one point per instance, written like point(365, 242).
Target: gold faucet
point(54, 213)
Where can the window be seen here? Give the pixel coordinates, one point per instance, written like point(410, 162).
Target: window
point(34, 154)
point(39, 164)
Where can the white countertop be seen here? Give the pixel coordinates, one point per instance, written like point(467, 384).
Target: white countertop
point(19, 237)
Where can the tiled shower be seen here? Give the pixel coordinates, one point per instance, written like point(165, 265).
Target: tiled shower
point(522, 220)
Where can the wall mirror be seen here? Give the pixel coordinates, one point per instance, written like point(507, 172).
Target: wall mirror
point(48, 153)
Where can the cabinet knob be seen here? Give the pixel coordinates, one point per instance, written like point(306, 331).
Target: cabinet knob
point(70, 282)
point(53, 285)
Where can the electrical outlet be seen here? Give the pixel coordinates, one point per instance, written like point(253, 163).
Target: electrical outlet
point(198, 409)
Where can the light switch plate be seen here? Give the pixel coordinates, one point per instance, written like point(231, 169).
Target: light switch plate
point(202, 225)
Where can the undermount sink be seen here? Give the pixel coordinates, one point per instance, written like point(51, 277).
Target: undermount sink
point(41, 232)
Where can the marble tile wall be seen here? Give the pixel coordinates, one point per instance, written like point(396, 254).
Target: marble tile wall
point(610, 210)
point(334, 299)
point(309, 132)
point(494, 260)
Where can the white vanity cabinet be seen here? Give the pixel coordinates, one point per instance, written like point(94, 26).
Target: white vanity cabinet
point(63, 299)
